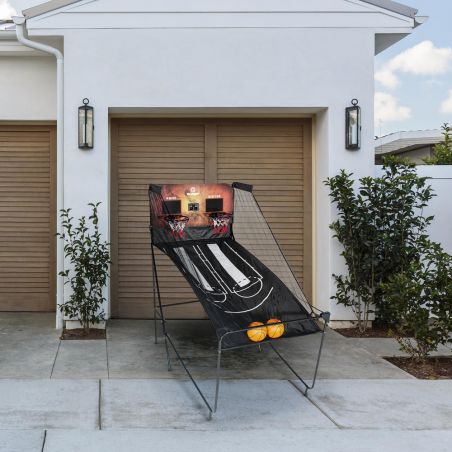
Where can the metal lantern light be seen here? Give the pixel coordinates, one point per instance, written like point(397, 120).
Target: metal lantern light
point(85, 125)
point(353, 126)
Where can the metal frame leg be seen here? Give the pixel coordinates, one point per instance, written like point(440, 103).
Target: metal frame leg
point(217, 383)
point(306, 385)
point(190, 376)
point(155, 306)
point(162, 317)
point(213, 408)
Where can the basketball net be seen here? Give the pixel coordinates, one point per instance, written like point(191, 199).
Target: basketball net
point(221, 223)
point(177, 226)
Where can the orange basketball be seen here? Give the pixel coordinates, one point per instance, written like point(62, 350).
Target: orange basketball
point(275, 331)
point(257, 334)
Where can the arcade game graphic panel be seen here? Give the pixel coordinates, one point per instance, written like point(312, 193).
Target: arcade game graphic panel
point(192, 212)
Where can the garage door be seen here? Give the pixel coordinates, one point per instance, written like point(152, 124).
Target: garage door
point(27, 218)
point(272, 155)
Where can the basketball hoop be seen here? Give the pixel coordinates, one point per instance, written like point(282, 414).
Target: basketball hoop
point(177, 224)
point(221, 222)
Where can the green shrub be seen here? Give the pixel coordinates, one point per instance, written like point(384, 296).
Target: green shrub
point(89, 259)
point(378, 225)
point(442, 153)
point(420, 299)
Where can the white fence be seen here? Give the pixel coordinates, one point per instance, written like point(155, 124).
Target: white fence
point(441, 205)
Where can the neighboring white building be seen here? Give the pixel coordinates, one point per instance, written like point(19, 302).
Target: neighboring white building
point(200, 90)
point(414, 145)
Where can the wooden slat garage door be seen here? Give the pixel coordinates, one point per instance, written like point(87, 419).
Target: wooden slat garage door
point(144, 153)
point(270, 156)
point(27, 218)
point(273, 155)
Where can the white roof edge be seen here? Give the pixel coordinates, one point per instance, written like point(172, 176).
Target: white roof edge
point(395, 7)
point(46, 7)
point(52, 5)
point(409, 134)
point(400, 141)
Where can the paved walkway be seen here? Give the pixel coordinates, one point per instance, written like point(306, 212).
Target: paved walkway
point(116, 395)
point(30, 348)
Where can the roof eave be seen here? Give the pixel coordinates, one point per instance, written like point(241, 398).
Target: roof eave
point(395, 7)
point(46, 7)
point(52, 5)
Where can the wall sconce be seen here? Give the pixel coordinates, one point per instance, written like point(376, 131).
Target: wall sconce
point(85, 125)
point(353, 126)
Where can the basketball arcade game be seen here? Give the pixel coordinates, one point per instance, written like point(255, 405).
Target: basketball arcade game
point(246, 302)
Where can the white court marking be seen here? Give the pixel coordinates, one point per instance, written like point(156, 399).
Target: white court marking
point(204, 282)
point(210, 268)
point(247, 263)
point(223, 284)
point(191, 267)
point(229, 267)
point(254, 307)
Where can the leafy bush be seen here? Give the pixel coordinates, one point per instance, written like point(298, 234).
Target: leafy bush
point(89, 257)
point(420, 298)
point(378, 226)
point(442, 153)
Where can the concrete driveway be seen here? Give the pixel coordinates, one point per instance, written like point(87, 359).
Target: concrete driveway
point(116, 395)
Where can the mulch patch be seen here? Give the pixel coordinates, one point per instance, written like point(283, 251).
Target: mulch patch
point(78, 334)
point(435, 368)
point(375, 331)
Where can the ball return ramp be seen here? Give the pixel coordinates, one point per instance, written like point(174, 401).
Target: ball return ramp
point(247, 303)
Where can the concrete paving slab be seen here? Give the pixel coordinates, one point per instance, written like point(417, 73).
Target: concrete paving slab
point(130, 330)
point(133, 354)
point(27, 320)
point(267, 440)
point(81, 359)
point(28, 345)
point(384, 404)
point(138, 358)
point(27, 359)
point(175, 404)
point(144, 359)
point(21, 441)
point(341, 359)
point(389, 347)
point(44, 404)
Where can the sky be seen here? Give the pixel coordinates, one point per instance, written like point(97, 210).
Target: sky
point(413, 78)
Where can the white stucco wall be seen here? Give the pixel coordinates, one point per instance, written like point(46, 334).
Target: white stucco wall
point(440, 179)
point(220, 68)
point(27, 88)
point(440, 206)
point(265, 56)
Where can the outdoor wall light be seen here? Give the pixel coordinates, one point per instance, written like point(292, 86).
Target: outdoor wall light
point(353, 126)
point(85, 125)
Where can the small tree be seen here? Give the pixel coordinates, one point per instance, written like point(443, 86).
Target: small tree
point(355, 230)
point(442, 153)
point(420, 298)
point(378, 225)
point(89, 257)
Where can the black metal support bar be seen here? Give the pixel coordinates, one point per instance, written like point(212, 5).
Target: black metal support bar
point(163, 320)
point(155, 304)
point(306, 385)
point(170, 305)
point(189, 374)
